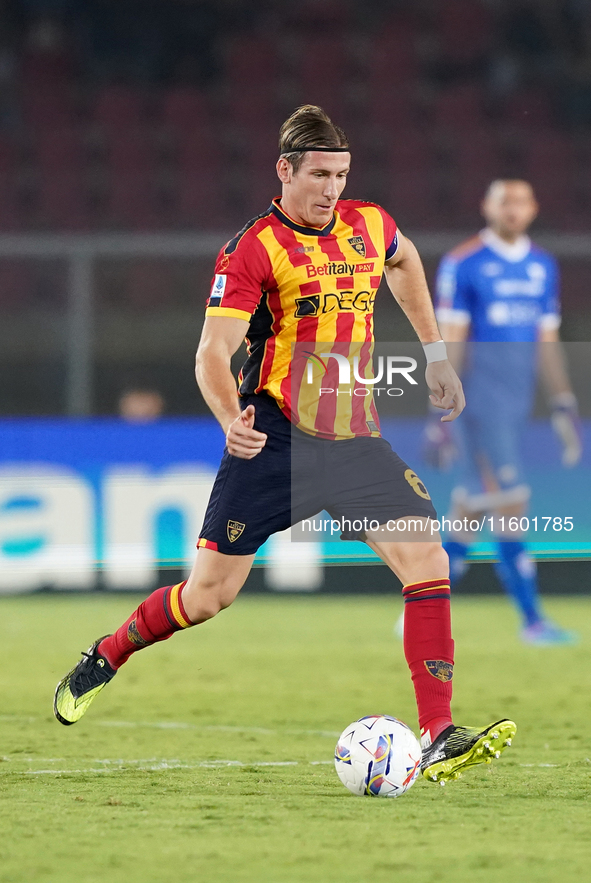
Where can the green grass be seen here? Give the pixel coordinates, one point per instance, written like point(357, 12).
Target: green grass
point(127, 794)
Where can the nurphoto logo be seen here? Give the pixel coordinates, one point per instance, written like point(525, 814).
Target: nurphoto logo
point(388, 369)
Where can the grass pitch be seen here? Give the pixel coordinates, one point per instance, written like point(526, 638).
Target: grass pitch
point(209, 756)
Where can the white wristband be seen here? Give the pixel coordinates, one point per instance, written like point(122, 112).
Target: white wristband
point(435, 352)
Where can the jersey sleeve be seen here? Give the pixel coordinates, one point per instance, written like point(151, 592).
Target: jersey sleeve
point(241, 275)
point(454, 300)
point(390, 234)
point(550, 316)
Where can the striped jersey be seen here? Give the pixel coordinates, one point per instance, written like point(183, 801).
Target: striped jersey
point(308, 294)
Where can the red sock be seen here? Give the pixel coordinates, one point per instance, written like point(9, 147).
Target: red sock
point(429, 651)
point(156, 619)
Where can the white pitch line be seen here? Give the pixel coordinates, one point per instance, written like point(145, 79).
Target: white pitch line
point(155, 766)
point(539, 764)
point(170, 765)
point(181, 725)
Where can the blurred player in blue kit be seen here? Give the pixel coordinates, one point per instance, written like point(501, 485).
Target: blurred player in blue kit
point(497, 298)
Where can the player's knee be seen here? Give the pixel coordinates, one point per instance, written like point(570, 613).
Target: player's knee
point(436, 559)
point(422, 561)
point(205, 598)
point(201, 612)
point(203, 606)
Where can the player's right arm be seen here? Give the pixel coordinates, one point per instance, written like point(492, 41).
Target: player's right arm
point(241, 272)
point(220, 339)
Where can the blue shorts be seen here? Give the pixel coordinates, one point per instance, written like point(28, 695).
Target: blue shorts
point(296, 475)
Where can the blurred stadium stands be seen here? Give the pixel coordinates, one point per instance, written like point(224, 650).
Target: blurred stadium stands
point(162, 117)
point(136, 136)
point(109, 120)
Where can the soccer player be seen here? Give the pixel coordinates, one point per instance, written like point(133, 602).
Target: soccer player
point(305, 273)
point(497, 295)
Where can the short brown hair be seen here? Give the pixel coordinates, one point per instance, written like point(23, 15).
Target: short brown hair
point(308, 125)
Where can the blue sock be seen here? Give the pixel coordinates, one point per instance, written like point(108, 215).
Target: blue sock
point(457, 553)
point(517, 572)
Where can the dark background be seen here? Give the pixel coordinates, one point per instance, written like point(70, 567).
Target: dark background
point(161, 116)
point(143, 116)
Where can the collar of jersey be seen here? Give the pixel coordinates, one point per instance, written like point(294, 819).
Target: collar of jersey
point(306, 231)
point(515, 252)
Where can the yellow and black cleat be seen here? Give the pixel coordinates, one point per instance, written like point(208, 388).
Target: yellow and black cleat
point(458, 748)
point(79, 687)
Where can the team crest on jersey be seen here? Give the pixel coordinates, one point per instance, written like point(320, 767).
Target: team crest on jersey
point(443, 671)
point(358, 243)
point(234, 529)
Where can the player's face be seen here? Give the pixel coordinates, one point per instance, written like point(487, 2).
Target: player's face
point(510, 208)
point(311, 193)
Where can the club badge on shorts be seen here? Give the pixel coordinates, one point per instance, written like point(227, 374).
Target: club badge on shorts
point(234, 529)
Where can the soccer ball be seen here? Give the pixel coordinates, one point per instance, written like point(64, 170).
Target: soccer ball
point(379, 756)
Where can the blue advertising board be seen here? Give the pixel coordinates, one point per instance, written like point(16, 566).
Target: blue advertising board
point(82, 495)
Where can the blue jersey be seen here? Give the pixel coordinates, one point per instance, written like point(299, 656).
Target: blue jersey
point(508, 294)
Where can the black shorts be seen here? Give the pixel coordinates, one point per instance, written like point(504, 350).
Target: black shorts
point(296, 476)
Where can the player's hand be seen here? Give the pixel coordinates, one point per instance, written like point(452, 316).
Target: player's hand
point(242, 439)
point(567, 426)
point(439, 450)
point(447, 393)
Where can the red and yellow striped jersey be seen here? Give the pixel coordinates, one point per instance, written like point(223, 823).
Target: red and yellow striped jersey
point(308, 294)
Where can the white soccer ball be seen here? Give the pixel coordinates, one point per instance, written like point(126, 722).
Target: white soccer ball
point(379, 756)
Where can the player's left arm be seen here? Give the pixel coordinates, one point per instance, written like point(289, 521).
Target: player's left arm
point(552, 363)
point(553, 369)
point(561, 398)
point(406, 279)
point(554, 372)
